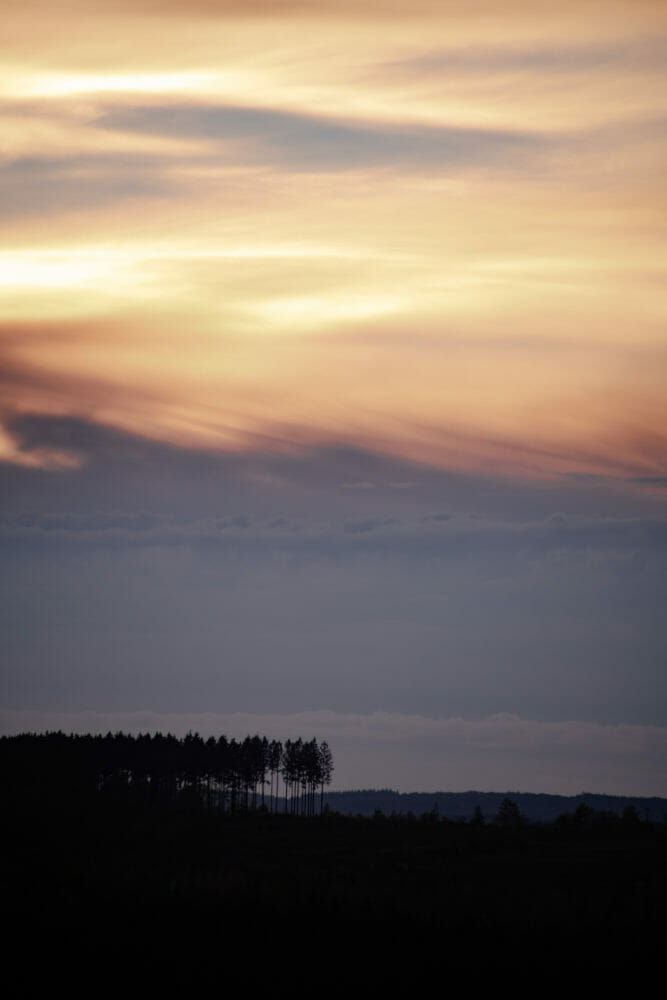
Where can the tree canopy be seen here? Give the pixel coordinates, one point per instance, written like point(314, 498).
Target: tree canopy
point(223, 773)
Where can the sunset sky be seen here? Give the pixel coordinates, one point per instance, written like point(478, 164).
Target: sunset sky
point(333, 368)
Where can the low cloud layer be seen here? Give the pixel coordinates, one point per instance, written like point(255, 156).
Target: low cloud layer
point(154, 576)
point(420, 753)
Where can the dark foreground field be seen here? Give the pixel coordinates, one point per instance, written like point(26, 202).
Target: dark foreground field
point(179, 891)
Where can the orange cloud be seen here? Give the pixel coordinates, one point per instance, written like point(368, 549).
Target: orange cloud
point(442, 238)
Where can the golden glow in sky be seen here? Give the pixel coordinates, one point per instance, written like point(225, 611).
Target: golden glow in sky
point(433, 229)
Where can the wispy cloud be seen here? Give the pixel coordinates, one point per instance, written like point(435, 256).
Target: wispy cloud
point(305, 142)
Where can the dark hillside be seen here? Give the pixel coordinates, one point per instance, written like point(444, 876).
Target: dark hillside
point(537, 808)
point(101, 876)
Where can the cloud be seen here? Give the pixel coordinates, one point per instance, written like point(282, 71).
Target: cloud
point(131, 473)
point(247, 330)
point(629, 53)
point(306, 142)
point(282, 591)
point(38, 186)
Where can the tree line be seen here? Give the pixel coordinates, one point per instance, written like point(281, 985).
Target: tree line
point(222, 773)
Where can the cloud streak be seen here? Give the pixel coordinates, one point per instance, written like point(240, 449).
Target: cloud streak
point(305, 142)
point(437, 251)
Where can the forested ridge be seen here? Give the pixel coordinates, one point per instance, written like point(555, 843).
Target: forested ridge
point(462, 806)
point(224, 774)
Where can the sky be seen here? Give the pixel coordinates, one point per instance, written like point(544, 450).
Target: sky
point(333, 359)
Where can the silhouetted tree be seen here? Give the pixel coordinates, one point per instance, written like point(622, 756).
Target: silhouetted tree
point(508, 814)
point(217, 774)
point(477, 818)
point(325, 770)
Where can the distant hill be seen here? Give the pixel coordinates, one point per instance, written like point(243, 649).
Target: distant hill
point(538, 808)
